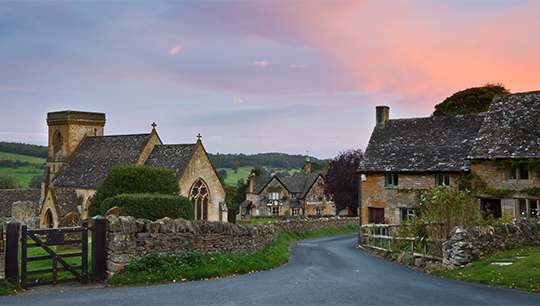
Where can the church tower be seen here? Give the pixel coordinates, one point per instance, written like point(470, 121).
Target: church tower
point(66, 130)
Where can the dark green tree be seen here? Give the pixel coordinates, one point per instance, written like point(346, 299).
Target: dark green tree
point(9, 182)
point(35, 182)
point(129, 179)
point(471, 100)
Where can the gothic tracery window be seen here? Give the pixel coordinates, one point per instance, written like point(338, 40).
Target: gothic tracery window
point(199, 197)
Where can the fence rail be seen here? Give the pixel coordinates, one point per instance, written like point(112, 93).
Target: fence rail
point(384, 236)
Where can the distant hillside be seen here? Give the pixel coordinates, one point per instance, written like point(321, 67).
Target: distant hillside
point(268, 160)
point(24, 149)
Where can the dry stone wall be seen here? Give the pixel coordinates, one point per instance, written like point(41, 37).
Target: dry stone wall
point(130, 239)
point(468, 245)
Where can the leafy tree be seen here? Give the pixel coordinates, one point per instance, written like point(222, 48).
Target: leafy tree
point(223, 173)
point(9, 182)
point(341, 181)
point(35, 182)
point(130, 179)
point(471, 100)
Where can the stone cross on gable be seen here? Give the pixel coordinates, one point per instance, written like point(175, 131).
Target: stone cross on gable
point(199, 137)
point(153, 125)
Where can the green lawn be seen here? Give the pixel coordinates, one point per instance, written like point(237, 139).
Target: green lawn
point(23, 174)
point(254, 221)
point(242, 173)
point(522, 274)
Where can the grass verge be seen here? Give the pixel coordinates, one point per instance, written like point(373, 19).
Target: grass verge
point(255, 221)
point(522, 274)
point(155, 268)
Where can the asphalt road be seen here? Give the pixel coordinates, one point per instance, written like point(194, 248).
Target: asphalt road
point(322, 271)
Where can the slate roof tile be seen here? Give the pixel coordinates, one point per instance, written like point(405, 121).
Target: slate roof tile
point(511, 128)
point(10, 196)
point(432, 144)
point(174, 157)
point(96, 155)
point(66, 201)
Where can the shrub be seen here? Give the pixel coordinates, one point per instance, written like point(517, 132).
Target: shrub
point(9, 182)
point(130, 179)
point(151, 206)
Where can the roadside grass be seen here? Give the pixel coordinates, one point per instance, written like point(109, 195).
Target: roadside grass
point(23, 158)
point(24, 173)
point(255, 221)
point(522, 274)
point(155, 268)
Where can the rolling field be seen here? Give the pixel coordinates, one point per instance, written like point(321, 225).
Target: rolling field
point(24, 173)
point(242, 173)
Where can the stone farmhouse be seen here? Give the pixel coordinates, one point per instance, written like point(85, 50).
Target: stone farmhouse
point(299, 195)
point(406, 156)
point(80, 157)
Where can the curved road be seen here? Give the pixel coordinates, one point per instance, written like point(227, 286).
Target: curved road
point(322, 271)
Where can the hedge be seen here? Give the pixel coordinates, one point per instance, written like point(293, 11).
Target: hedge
point(130, 179)
point(151, 206)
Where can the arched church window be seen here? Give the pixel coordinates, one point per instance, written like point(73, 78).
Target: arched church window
point(200, 197)
point(58, 141)
point(49, 219)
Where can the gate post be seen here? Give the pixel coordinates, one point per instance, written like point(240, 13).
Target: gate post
point(99, 248)
point(13, 231)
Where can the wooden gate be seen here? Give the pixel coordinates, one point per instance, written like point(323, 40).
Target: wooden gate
point(54, 237)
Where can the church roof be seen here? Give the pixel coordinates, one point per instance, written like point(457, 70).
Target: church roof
point(10, 196)
point(432, 144)
point(174, 157)
point(66, 201)
point(511, 128)
point(96, 155)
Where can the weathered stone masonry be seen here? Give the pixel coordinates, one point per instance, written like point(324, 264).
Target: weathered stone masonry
point(130, 239)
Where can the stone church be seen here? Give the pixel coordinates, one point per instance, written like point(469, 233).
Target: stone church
point(80, 156)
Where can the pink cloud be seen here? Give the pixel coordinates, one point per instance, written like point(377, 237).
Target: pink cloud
point(237, 100)
point(175, 50)
point(260, 63)
point(298, 66)
point(12, 89)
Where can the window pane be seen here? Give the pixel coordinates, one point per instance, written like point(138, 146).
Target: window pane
point(512, 175)
point(533, 208)
point(522, 204)
point(523, 173)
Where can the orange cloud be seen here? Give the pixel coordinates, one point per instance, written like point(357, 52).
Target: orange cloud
point(260, 63)
point(298, 66)
point(175, 50)
point(237, 100)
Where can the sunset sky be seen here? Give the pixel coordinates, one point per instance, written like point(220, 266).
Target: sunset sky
point(255, 76)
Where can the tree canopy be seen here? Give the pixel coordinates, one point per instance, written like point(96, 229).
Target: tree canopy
point(470, 100)
point(130, 179)
point(9, 182)
point(341, 181)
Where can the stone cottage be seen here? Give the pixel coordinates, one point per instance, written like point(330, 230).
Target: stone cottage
point(505, 157)
point(299, 195)
point(406, 156)
point(80, 157)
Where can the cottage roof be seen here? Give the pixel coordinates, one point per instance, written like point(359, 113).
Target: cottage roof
point(96, 155)
point(174, 157)
point(299, 183)
point(66, 201)
point(432, 144)
point(10, 196)
point(511, 128)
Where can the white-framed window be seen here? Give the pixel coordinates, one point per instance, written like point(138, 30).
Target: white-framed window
point(407, 213)
point(313, 197)
point(527, 207)
point(257, 200)
point(392, 180)
point(443, 179)
point(295, 211)
point(319, 211)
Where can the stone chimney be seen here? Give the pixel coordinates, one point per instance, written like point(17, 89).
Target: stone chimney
point(307, 165)
point(382, 114)
point(252, 179)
